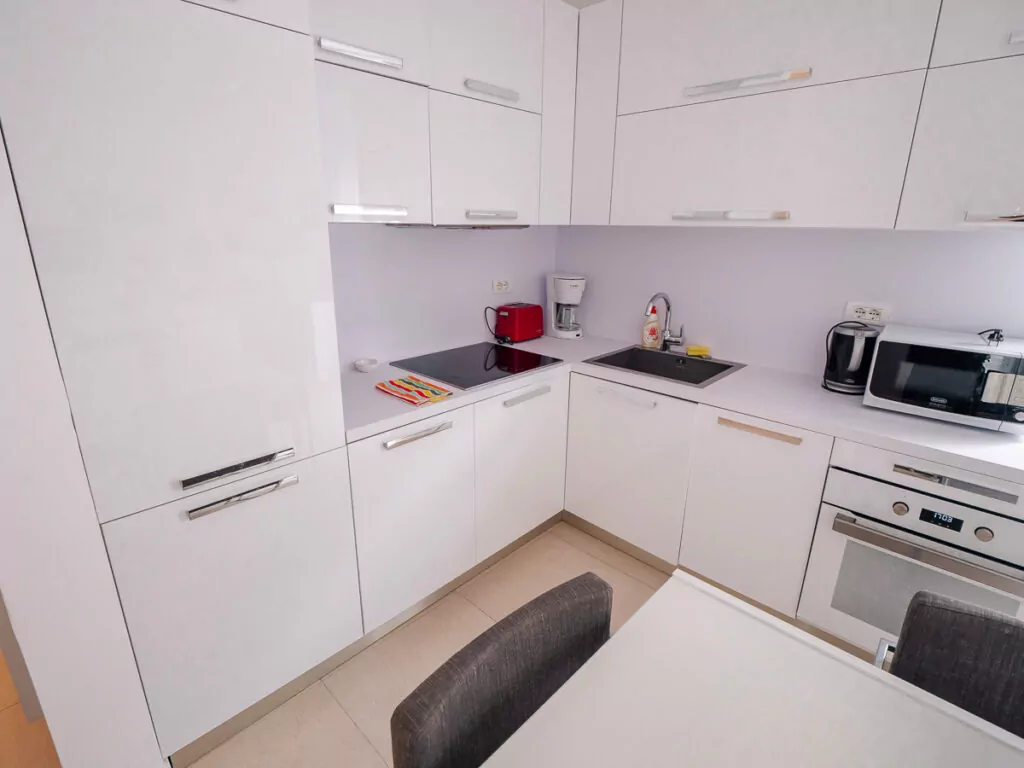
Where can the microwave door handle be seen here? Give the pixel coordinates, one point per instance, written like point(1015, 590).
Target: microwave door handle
point(857, 357)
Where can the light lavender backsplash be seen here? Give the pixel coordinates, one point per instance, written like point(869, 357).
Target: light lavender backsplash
point(401, 292)
point(768, 297)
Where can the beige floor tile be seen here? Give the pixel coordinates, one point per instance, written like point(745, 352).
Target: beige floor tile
point(546, 562)
point(310, 730)
point(641, 571)
point(24, 744)
point(8, 693)
point(370, 685)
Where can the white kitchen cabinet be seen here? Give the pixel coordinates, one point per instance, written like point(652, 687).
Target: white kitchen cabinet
point(491, 50)
point(235, 592)
point(966, 168)
point(412, 494)
point(677, 53)
point(520, 461)
point(831, 156)
point(376, 146)
point(485, 162)
point(179, 239)
point(388, 37)
point(628, 462)
point(558, 121)
point(288, 14)
point(755, 489)
point(972, 30)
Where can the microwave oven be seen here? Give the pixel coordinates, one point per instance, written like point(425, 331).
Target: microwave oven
point(956, 377)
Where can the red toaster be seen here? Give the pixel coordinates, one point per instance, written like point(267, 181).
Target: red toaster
point(520, 321)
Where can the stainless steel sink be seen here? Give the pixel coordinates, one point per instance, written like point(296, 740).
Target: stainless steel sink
point(695, 371)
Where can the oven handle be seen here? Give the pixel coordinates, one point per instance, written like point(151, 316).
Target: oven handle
point(848, 526)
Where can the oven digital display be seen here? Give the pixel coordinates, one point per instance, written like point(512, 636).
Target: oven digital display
point(942, 520)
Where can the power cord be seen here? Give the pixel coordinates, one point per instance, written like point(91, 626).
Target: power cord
point(497, 338)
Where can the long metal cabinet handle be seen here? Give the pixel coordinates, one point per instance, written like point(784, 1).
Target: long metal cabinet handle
point(770, 434)
point(710, 215)
point(975, 217)
point(390, 445)
point(627, 399)
point(481, 214)
point(848, 526)
point(363, 54)
point(491, 90)
point(952, 482)
point(1016, 38)
point(751, 81)
point(208, 477)
point(514, 401)
point(230, 501)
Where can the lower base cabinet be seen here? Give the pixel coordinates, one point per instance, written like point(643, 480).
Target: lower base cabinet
point(234, 592)
point(629, 462)
point(755, 490)
point(412, 494)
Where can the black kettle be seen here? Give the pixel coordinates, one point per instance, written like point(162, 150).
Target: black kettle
point(849, 348)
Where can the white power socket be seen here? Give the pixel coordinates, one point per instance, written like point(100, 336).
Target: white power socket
point(873, 314)
point(501, 286)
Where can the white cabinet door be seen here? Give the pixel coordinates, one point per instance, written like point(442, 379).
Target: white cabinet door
point(966, 165)
point(289, 14)
point(376, 147)
point(972, 30)
point(755, 488)
point(389, 37)
point(179, 237)
point(628, 462)
point(485, 162)
point(490, 50)
point(832, 156)
point(235, 592)
point(412, 492)
point(677, 53)
point(520, 461)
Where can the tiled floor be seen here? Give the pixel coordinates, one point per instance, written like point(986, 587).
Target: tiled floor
point(343, 721)
point(22, 744)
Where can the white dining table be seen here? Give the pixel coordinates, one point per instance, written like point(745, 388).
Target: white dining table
point(699, 678)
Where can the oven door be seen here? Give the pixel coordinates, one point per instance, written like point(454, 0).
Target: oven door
point(861, 578)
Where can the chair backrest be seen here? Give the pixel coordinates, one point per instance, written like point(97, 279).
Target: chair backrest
point(971, 657)
point(478, 698)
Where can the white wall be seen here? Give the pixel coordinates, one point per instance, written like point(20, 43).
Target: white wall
point(768, 297)
point(401, 292)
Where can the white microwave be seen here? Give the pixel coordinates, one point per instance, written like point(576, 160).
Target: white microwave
point(958, 377)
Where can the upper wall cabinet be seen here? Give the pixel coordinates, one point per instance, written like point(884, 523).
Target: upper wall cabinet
point(832, 156)
point(485, 162)
point(376, 147)
point(677, 53)
point(289, 14)
point(389, 37)
point(965, 169)
point(489, 50)
point(179, 236)
point(972, 30)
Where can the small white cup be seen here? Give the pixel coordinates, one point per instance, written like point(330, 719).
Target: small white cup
point(365, 364)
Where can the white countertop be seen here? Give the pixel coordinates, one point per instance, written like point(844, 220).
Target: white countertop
point(788, 398)
point(699, 678)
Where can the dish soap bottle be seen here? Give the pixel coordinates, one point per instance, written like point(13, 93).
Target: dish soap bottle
point(652, 335)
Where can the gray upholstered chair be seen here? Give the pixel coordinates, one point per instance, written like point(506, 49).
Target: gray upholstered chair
point(478, 698)
point(971, 657)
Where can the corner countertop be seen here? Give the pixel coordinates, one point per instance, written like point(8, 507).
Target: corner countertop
point(789, 398)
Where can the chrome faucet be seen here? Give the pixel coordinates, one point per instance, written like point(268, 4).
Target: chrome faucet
point(668, 340)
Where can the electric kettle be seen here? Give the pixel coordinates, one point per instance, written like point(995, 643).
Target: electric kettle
point(849, 348)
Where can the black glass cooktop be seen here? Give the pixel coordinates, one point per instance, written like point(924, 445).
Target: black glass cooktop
point(465, 367)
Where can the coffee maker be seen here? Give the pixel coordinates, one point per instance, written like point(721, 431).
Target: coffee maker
point(565, 292)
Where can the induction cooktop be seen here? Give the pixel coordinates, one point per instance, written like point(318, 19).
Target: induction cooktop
point(476, 364)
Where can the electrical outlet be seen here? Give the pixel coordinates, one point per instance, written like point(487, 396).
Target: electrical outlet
point(501, 286)
point(873, 314)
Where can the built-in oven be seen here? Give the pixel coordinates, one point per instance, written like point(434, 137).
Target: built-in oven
point(891, 526)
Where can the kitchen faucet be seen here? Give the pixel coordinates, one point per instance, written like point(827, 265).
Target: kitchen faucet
point(668, 340)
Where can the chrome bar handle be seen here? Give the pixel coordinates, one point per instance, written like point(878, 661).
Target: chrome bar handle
point(208, 477)
point(760, 431)
point(482, 214)
point(1016, 38)
point(375, 211)
point(230, 501)
point(491, 90)
point(952, 482)
point(390, 445)
point(886, 648)
point(355, 52)
point(975, 217)
point(751, 81)
point(512, 402)
point(651, 404)
point(728, 215)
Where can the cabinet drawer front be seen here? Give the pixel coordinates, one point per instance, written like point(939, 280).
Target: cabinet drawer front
point(972, 30)
point(412, 491)
point(676, 53)
point(252, 589)
point(833, 156)
point(289, 14)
